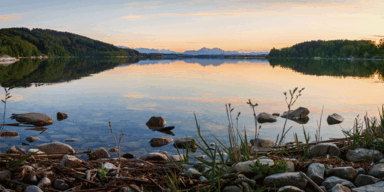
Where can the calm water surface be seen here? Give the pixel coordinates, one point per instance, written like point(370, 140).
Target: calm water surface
point(128, 92)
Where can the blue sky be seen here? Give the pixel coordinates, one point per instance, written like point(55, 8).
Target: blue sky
point(243, 25)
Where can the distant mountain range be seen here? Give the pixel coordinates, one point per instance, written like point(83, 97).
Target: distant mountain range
point(202, 51)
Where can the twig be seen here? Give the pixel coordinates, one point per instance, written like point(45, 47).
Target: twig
point(310, 181)
point(162, 189)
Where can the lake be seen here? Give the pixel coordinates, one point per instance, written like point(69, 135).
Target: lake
point(127, 92)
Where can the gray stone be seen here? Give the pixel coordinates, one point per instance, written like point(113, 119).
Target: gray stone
point(377, 187)
point(44, 182)
point(6, 174)
point(203, 179)
point(362, 180)
point(381, 161)
point(299, 113)
point(330, 182)
point(339, 188)
point(193, 173)
point(361, 153)
point(316, 172)
point(100, 153)
point(32, 139)
point(128, 156)
point(109, 166)
point(266, 118)
point(37, 119)
point(182, 143)
point(176, 158)
point(323, 188)
point(334, 119)
point(284, 179)
point(130, 188)
point(290, 189)
point(113, 150)
point(361, 171)
point(156, 122)
point(37, 151)
point(55, 147)
point(155, 157)
point(60, 184)
point(328, 169)
point(160, 141)
point(244, 167)
point(71, 161)
point(263, 143)
point(232, 188)
point(348, 173)
point(290, 166)
point(377, 170)
point(323, 149)
point(32, 188)
point(33, 179)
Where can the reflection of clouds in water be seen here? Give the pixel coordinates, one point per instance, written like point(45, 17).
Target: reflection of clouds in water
point(13, 98)
point(215, 128)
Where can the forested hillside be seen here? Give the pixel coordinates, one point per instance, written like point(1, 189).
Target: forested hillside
point(332, 49)
point(24, 42)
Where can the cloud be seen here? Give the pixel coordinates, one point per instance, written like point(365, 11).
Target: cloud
point(380, 36)
point(11, 17)
point(144, 4)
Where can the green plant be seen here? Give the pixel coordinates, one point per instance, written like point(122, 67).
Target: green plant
point(264, 170)
point(6, 97)
point(102, 172)
point(318, 135)
point(15, 163)
point(117, 143)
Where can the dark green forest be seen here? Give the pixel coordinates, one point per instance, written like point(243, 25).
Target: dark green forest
point(332, 49)
point(24, 42)
point(28, 72)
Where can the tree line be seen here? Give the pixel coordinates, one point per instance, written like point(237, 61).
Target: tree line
point(332, 49)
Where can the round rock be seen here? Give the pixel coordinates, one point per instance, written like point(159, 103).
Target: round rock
point(100, 153)
point(284, 179)
point(348, 173)
point(56, 147)
point(361, 153)
point(334, 119)
point(160, 141)
point(32, 139)
point(37, 119)
point(154, 157)
point(182, 143)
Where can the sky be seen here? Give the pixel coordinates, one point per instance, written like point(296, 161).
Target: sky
point(180, 25)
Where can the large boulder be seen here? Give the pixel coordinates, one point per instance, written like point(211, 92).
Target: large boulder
point(299, 113)
point(55, 147)
point(182, 143)
point(361, 153)
point(156, 122)
point(266, 118)
point(160, 141)
point(332, 181)
point(377, 187)
point(377, 170)
point(37, 119)
point(348, 173)
point(100, 153)
point(316, 172)
point(284, 179)
point(154, 157)
point(244, 167)
point(263, 142)
point(362, 180)
point(323, 149)
point(334, 119)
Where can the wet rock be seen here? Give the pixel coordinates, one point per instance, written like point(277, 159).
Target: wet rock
point(128, 156)
point(6, 174)
point(156, 122)
point(290, 166)
point(330, 182)
point(377, 170)
point(71, 161)
point(361, 171)
point(348, 173)
point(100, 153)
point(32, 139)
point(60, 184)
point(56, 147)
point(290, 189)
point(193, 173)
point(61, 116)
point(299, 113)
point(182, 143)
point(32, 188)
point(243, 167)
point(113, 150)
point(316, 172)
point(155, 157)
point(44, 182)
point(37, 151)
point(37, 119)
point(323, 149)
point(362, 180)
point(203, 179)
point(377, 187)
point(361, 153)
point(176, 158)
point(160, 141)
point(334, 119)
point(266, 118)
point(15, 149)
point(9, 134)
point(263, 143)
point(339, 188)
point(232, 188)
point(284, 179)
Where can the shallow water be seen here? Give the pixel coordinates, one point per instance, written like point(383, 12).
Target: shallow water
point(128, 92)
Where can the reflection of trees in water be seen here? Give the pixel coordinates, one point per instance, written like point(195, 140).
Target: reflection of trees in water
point(335, 68)
point(28, 72)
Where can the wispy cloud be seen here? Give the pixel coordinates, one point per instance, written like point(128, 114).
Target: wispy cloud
point(144, 4)
point(11, 17)
point(380, 36)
